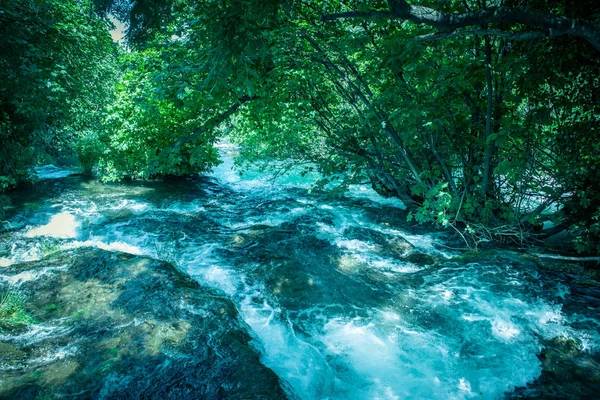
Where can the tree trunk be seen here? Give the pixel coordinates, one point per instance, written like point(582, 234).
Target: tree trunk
point(387, 127)
point(488, 119)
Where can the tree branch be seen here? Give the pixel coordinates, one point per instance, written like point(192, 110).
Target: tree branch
point(359, 14)
point(211, 123)
point(447, 22)
point(567, 258)
point(491, 32)
point(386, 125)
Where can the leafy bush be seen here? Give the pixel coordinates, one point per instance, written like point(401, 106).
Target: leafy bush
point(56, 67)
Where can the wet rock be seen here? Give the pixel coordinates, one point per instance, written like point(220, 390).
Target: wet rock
point(113, 325)
point(400, 246)
point(421, 258)
point(9, 353)
point(568, 372)
point(578, 270)
point(119, 215)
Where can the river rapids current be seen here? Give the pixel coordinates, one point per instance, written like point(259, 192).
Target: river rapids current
point(342, 297)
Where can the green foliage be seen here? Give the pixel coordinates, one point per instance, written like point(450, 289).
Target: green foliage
point(89, 150)
point(364, 100)
point(587, 234)
point(172, 92)
point(486, 135)
point(55, 62)
point(141, 133)
point(12, 311)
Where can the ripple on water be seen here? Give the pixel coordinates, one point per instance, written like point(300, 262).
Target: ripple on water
point(331, 296)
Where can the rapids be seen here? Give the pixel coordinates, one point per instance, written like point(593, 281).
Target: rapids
point(343, 298)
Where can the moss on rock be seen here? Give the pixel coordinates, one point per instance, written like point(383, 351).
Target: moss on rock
point(115, 325)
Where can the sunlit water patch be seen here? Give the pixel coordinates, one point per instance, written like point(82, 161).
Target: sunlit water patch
point(62, 225)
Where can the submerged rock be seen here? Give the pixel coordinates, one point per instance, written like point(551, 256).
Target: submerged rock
point(568, 372)
point(113, 325)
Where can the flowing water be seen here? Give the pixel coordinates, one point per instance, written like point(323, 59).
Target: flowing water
point(343, 298)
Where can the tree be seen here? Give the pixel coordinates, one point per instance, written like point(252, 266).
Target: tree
point(479, 115)
point(55, 65)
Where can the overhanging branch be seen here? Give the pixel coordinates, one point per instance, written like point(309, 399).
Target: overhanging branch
point(211, 123)
point(491, 32)
point(359, 14)
point(555, 25)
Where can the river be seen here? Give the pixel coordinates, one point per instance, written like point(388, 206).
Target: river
point(343, 297)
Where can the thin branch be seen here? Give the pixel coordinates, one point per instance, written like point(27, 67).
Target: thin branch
point(567, 258)
point(491, 32)
point(447, 22)
point(359, 14)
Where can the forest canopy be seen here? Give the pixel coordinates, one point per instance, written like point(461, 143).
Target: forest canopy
point(482, 115)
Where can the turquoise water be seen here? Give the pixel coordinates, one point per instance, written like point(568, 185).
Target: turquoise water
point(343, 298)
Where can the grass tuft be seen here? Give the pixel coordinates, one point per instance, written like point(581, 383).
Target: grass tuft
point(12, 311)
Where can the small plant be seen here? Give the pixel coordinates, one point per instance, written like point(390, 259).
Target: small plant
point(49, 246)
point(12, 311)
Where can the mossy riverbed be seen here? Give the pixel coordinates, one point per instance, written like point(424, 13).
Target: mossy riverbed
point(98, 324)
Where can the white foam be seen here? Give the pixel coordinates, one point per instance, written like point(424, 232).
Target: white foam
point(219, 277)
point(355, 245)
point(376, 362)
point(181, 207)
point(135, 206)
point(365, 192)
point(26, 276)
point(109, 246)
point(465, 387)
point(295, 360)
point(504, 330)
point(53, 172)
point(59, 354)
point(36, 333)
